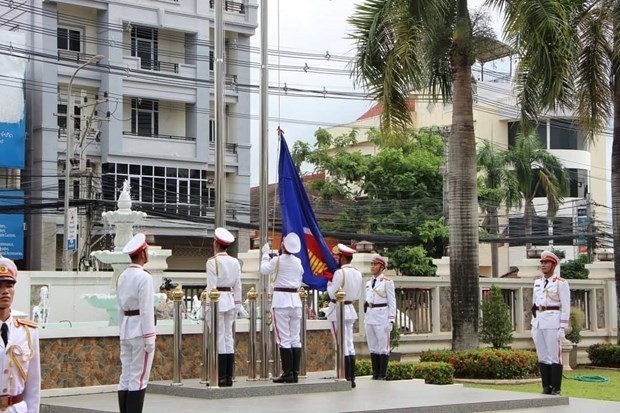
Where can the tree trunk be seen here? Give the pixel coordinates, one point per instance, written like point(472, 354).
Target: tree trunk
point(494, 231)
point(462, 194)
point(528, 216)
point(615, 193)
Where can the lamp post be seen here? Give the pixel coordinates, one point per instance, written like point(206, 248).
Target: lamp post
point(66, 256)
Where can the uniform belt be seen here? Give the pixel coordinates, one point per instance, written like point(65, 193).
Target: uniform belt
point(130, 313)
point(346, 302)
point(286, 290)
point(224, 289)
point(548, 308)
point(6, 401)
point(371, 305)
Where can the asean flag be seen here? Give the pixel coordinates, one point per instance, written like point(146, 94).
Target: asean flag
point(298, 217)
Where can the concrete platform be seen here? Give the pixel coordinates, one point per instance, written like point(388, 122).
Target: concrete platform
point(369, 396)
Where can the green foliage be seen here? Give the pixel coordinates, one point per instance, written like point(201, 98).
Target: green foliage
point(411, 261)
point(394, 337)
point(496, 327)
point(604, 355)
point(399, 371)
point(363, 367)
point(560, 253)
point(434, 372)
point(487, 363)
point(577, 318)
point(575, 269)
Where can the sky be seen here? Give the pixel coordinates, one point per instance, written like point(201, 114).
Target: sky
point(308, 29)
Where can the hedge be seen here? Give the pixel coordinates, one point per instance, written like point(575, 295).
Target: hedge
point(432, 373)
point(604, 355)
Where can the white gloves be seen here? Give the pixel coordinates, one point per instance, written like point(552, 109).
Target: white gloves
point(149, 344)
point(266, 249)
point(561, 334)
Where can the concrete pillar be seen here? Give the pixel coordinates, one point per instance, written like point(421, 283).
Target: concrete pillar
point(436, 310)
point(520, 313)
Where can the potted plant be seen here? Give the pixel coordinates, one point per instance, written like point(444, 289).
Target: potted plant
point(395, 342)
point(573, 335)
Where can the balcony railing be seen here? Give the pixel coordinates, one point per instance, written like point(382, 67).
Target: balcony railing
point(158, 66)
point(76, 57)
point(160, 136)
point(232, 6)
point(230, 147)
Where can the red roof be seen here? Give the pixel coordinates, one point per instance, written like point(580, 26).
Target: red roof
point(377, 109)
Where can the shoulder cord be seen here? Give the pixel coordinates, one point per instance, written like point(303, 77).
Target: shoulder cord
point(275, 276)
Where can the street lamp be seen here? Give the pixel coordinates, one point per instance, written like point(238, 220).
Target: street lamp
point(66, 256)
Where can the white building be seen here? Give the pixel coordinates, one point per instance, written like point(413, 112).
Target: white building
point(153, 96)
point(496, 120)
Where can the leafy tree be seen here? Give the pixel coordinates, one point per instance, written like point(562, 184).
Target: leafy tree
point(411, 261)
point(496, 328)
point(429, 47)
point(580, 72)
point(575, 269)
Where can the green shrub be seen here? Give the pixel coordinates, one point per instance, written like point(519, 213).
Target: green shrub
point(576, 321)
point(399, 371)
point(434, 372)
point(363, 367)
point(606, 355)
point(496, 327)
point(487, 363)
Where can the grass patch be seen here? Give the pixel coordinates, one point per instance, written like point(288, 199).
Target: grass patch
point(572, 388)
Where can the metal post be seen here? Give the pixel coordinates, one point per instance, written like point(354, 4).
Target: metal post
point(303, 294)
point(340, 296)
point(67, 264)
point(252, 294)
point(220, 144)
point(214, 297)
point(275, 351)
point(204, 366)
point(263, 149)
point(177, 298)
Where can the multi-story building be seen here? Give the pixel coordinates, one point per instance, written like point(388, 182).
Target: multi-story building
point(143, 113)
point(496, 118)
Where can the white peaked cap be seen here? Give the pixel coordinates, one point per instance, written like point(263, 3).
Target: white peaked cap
point(8, 270)
point(548, 255)
point(135, 245)
point(292, 243)
point(224, 237)
point(344, 250)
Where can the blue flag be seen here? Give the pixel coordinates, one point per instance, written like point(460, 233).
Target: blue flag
point(298, 217)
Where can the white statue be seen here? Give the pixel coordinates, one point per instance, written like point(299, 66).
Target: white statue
point(196, 313)
point(40, 312)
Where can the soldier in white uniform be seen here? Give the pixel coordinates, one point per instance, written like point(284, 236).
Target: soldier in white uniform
point(224, 273)
point(20, 357)
point(380, 316)
point(550, 316)
point(137, 326)
point(349, 279)
point(286, 273)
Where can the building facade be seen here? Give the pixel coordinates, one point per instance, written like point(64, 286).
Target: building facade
point(142, 92)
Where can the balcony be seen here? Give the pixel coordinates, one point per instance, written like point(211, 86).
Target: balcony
point(158, 145)
point(135, 63)
point(232, 6)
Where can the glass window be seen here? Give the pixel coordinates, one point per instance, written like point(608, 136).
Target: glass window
point(68, 39)
point(147, 189)
point(147, 170)
point(171, 172)
point(578, 186)
point(183, 173)
point(121, 168)
point(144, 44)
point(160, 171)
point(514, 130)
point(565, 135)
point(134, 169)
point(171, 191)
point(159, 190)
point(144, 117)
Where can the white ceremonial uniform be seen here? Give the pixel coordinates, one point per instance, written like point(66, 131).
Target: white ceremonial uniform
point(350, 280)
point(286, 273)
point(553, 311)
point(224, 273)
point(135, 292)
point(380, 314)
point(21, 366)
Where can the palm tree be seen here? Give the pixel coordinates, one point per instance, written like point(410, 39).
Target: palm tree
point(570, 57)
point(498, 188)
point(535, 169)
point(406, 46)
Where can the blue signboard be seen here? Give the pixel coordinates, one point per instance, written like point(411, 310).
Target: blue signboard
point(12, 141)
point(11, 225)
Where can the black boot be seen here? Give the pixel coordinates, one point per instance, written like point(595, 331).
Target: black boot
point(135, 401)
point(122, 401)
point(556, 378)
point(222, 362)
point(352, 371)
point(286, 357)
point(545, 377)
point(347, 368)
point(383, 363)
point(374, 359)
point(296, 363)
point(230, 369)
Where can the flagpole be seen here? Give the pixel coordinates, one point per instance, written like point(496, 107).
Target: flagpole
point(263, 183)
point(220, 177)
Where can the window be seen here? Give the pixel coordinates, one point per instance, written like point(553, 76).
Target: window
point(61, 112)
point(69, 39)
point(514, 130)
point(565, 135)
point(144, 117)
point(578, 186)
point(144, 44)
point(212, 130)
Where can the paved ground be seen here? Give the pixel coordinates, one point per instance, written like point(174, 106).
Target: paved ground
point(369, 396)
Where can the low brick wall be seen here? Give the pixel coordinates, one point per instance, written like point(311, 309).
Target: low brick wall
point(93, 361)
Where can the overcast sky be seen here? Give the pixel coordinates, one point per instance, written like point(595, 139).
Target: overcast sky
point(304, 28)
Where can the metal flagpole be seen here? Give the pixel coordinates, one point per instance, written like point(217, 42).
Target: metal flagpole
point(220, 177)
point(263, 182)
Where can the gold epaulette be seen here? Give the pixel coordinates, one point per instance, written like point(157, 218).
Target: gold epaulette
point(25, 322)
point(561, 279)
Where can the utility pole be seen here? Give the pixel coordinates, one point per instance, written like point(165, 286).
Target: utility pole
point(220, 144)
